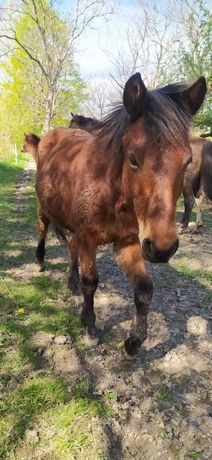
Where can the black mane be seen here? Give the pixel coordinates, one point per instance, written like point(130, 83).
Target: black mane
point(166, 116)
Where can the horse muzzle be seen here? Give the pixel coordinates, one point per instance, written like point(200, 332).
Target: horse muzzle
point(155, 255)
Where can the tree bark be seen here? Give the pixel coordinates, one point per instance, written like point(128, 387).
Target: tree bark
point(50, 103)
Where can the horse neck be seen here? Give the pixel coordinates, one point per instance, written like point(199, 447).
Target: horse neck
point(109, 167)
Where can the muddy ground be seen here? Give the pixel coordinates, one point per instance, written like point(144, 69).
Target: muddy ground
point(160, 399)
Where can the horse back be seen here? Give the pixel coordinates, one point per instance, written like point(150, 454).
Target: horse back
point(58, 141)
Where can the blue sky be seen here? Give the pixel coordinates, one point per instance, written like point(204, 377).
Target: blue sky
point(91, 58)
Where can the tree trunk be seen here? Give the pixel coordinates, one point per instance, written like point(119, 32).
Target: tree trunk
point(50, 102)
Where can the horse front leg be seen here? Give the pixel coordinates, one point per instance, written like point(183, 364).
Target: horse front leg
point(43, 225)
point(89, 283)
point(131, 259)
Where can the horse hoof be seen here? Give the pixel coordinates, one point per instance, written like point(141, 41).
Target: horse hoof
point(198, 230)
point(132, 346)
point(42, 268)
point(40, 265)
point(90, 337)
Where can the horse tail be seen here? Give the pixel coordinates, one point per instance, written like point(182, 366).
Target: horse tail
point(206, 169)
point(196, 184)
point(60, 232)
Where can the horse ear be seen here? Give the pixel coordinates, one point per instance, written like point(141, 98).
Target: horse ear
point(73, 115)
point(195, 95)
point(135, 96)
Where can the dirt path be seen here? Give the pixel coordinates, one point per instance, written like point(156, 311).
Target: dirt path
point(160, 400)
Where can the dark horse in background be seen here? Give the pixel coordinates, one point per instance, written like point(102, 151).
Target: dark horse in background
point(120, 185)
point(197, 183)
point(87, 123)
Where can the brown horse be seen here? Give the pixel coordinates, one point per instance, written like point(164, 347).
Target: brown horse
point(198, 179)
point(30, 145)
point(121, 185)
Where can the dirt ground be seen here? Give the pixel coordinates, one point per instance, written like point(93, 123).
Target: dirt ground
point(161, 398)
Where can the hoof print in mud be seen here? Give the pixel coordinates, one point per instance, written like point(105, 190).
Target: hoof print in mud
point(132, 346)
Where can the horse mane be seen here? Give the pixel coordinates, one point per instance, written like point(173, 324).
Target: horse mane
point(165, 116)
point(32, 138)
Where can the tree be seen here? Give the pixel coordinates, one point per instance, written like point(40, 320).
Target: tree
point(168, 41)
point(23, 93)
point(149, 39)
point(48, 42)
point(100, 94)
point(193, 57)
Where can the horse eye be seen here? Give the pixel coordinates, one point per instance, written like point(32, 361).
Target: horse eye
point(133, 162)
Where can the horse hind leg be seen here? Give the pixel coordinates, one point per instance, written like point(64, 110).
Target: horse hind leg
point(188, 204)
point(199, 202)
point(131, 259)
point(73, 277)
point(43, 225)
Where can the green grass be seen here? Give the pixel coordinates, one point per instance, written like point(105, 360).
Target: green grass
point(31, 397)
point(45, 402)
point(8, 175)
point(203, 277)
point(163, 395)
point(195, 453)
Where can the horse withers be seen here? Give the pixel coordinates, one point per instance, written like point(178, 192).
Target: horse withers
point(120, 185)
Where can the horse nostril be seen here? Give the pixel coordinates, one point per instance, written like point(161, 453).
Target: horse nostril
point(152, 253)
point(148, 247)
